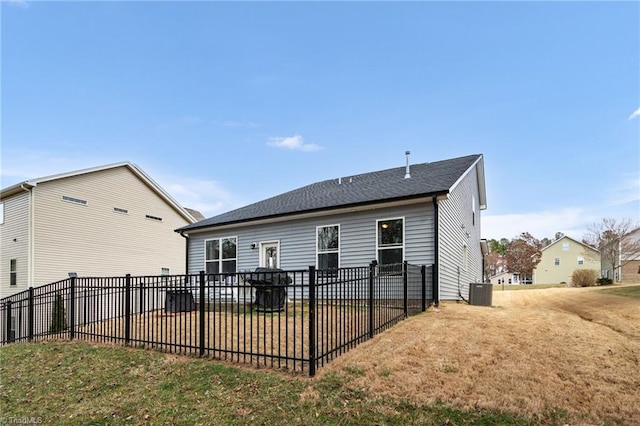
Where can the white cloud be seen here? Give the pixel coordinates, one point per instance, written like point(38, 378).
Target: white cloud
point(189, 120)
point(626, 191)
point(572, 222)
point(246, 124)
point(293, 142)
point(206, 196)
point(635, 114)
point(22, 3)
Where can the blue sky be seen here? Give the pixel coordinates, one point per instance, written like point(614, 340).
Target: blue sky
point(225, 104)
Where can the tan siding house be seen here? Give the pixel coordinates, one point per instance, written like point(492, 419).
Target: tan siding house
point(104, 221)
point(561, 258)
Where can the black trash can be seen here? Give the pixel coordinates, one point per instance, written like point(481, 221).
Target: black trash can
point(270, 289)
point(179, 301)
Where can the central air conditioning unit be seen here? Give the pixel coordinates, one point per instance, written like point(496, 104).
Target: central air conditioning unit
point(480, 294)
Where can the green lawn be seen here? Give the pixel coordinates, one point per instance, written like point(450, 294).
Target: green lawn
point(81, 384)
point(626, 291)
point(527, 286)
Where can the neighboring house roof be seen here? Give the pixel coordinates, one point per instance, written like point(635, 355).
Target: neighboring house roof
point(195, 213)
point(23, 186)
point(569, 238)
point(389, 185)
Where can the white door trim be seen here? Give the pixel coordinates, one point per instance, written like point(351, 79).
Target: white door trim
point(263, 258)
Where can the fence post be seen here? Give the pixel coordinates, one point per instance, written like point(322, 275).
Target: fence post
point(434, 284)
point(423, 286)
point(8, 323)
point(31, 314)
point(312, 321)
point(127, 309)
point(372, 268)
point(141, 297)
point(405, 288)
point(72, 309)
point(201, 309)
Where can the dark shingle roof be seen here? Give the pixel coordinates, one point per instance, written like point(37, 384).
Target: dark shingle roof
point(367, 188)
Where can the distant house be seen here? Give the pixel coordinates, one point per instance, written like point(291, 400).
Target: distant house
point(505, 278)
point(103, 221)
point(630, 257)
point(426, 214)
point(562, 257)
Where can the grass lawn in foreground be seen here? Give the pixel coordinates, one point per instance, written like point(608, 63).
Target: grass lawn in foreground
point(550, 356)
point(78, 384)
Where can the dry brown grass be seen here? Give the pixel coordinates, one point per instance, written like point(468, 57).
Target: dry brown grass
point(279, 339)
point(571, 349)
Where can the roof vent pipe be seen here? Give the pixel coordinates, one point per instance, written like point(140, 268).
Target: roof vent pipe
point(408, 172)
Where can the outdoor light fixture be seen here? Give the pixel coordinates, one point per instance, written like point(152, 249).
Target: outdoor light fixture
point(253, 246)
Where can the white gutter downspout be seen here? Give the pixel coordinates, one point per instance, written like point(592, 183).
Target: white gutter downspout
point(30, 237)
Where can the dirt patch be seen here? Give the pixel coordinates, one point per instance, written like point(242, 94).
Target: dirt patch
point(534, 352)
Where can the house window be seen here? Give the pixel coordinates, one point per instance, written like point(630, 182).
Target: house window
point(119, 210)
point(327, 247)
point(221, 255)
point(164, 271)
point(74, 200)
point(556, 261)
point(565, 246)
point(13, 272)
point(390, 241)
point(148, 216)
point(581, 261)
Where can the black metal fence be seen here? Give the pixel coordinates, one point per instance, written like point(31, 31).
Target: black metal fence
point(298, 320)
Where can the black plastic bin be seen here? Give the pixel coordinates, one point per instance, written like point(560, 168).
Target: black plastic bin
point(179, 301)
point(270, 289)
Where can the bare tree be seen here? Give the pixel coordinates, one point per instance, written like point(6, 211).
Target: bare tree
point(493, 265)
point(523, 255)
point(616, 243)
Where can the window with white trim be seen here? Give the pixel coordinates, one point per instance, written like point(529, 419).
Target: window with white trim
point(221, 255)
point(13, 272)
point(556, 261)
point(390, 240)
point(565, 246)
point(580, 260)
point(328, 247)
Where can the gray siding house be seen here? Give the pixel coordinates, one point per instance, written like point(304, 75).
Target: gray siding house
point(425, 214)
